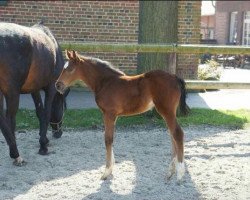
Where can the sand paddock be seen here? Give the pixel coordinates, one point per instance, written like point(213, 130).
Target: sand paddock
point(217, 166)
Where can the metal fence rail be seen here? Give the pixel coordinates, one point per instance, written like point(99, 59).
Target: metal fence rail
point(173, 49)
point(157, 48)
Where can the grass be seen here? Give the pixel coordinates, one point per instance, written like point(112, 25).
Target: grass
point(89, 118)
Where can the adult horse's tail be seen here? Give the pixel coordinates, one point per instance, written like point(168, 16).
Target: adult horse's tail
point(183, 105)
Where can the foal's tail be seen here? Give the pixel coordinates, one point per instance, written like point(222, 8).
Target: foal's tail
point(183, 105)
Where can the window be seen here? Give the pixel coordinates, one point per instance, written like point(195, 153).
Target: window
point(246, 29)
point(233, 28)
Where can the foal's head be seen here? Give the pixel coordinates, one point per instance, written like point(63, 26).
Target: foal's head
point(70, 71)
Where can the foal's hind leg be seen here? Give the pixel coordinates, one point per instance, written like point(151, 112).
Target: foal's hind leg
point(172, 165)
point(177, 135)
point(109, 122)
point(177, 140)
point(177, 143)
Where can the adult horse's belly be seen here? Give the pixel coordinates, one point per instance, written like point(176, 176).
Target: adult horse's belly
point(41, 70)
point(35, 81)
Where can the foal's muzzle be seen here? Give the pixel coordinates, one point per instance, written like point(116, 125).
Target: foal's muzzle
point(60, 87)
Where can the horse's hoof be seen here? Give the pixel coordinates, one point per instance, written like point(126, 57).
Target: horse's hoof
point(171, 169)
point(43, 151)
point(57, 134)
point(107, 173)
point(169, 175)
point(105, 177)
point(179, 182)
point(180, 171)
point(19, 162)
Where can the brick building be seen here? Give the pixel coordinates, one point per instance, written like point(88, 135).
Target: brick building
point(105, 21)
point(232, 22)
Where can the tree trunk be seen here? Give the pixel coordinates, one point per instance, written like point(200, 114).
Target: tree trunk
point(157, 24)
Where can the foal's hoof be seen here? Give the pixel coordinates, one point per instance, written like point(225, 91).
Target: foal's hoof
point(105, 177)
point(43, 151)
point(169, 175)
point(179, 182)
point(19, 162)
point(107, 173)
point(180, 171)
point(57, 134)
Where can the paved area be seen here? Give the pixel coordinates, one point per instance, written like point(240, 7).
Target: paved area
point(224, 99)
point(221, 99)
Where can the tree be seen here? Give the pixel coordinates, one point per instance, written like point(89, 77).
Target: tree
point(157, 24)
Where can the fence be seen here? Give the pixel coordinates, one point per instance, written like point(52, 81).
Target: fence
point(173, 49)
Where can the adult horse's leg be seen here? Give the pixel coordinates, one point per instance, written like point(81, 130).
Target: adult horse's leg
point(168, 112)
point(12, 103)
point(57, 113)
point(1, 103)
point(11, 141)
point(39, 109)
point(49, 95)
point(109, 123)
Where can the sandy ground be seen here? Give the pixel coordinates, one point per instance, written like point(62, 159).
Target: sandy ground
point(217, 164)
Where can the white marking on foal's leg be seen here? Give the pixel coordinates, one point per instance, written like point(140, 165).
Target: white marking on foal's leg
point(171, 168)
point(180, 170)
point(108, 170)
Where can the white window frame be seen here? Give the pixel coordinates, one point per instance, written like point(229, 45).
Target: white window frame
point(246, 29)
point(233, 27)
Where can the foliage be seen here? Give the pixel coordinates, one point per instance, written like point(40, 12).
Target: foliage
point(209, 71)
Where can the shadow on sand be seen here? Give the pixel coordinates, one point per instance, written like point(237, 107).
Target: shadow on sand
point(75, 164)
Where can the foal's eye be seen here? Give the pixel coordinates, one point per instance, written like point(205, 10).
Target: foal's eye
point(70, 69)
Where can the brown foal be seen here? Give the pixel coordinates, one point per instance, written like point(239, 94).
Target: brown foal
point(117, 94)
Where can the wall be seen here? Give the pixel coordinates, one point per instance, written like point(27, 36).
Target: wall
point(83, 21)
point(221, 27)
point(105, 21)
point(222, 15)
point(189, 16)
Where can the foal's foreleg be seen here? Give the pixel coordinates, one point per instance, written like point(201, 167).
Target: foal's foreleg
point(109, 122)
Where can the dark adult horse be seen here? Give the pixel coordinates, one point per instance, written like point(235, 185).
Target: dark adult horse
point(30, 61)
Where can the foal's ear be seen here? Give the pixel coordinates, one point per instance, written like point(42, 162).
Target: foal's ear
point(68, 54)
point(75, 56)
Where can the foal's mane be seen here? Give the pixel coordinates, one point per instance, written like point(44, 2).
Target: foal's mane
point(103, 65)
